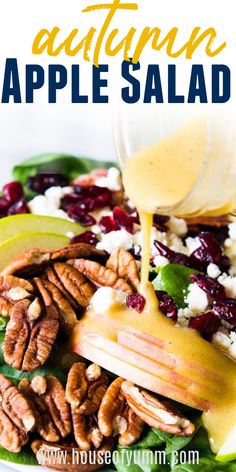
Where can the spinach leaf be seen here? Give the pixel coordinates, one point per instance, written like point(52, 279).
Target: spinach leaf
point(26, 456)
point(149, 439)
point(128, 460)
point(173, 443)
point(3, 323)
point(206, 464)
point(174, 279)
point(68, 165)
point(2, 335)
point(47, 369)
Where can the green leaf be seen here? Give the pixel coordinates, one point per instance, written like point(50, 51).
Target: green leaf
point(128, 460)
point(68, 165)
point(174, 279)
point(48, 369)
point(26, 456)
point(206, 464)
point(149, 439)
point(3, 323)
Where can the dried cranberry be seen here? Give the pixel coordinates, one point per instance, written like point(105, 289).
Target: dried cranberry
point(209, 251)
point(160, 221)
point(87, 237)
point(107, 224)
point(13, 192)
point(172, 256)
point(93, 200)
point(167, 304)
point(4, 205)
point(226, 309)
point(206, 324)
point(209, 285)
point(42, 181)
point(18, 208)
point(69, 200)
point(89, 191)
point(80, 216)
point(136, 301)
point(123, 220)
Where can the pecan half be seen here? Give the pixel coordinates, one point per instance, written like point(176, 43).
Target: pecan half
point(112, 405)
point(13, 289)
point(86, 431)
point(84, 391)
point(155, 413)
point(51, 275)
point(77, 251)
point(74, 463)
point(79, 288)
point(77, 384)
point(134, 429)
point(47, 397)
point(84, 395)
point(115, 417)
point(52, 296)
point(28, 343)
point(124, 264)
point(99, 275)
point(16, 416)
point(27, 263)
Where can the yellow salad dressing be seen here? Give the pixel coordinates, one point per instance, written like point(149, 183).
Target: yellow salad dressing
point(148, 348)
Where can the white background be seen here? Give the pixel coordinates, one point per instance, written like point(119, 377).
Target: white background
point(26, 130)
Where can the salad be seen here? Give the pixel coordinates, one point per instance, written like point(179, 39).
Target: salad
point(51, 398)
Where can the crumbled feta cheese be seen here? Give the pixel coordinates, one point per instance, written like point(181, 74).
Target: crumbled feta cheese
point(137, 237)
point(176, 244)
point(106, 297)
point(112, 180)
point(232, 270)
point(61, 214)
point(192, 244)
point(96, 229)
point(177, 226)
point(40, 205)
point(222, 339)
point(232, 230)
point(196, 299)
point(228, 242)
point(49, 204)
point(160, 261)
point(183, 316)
point(54, 194)
point(229, 283)
point(116, 239)
point(213, 270)
point(70, 234)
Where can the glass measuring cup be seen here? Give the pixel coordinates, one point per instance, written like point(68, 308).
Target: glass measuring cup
point(213, 188)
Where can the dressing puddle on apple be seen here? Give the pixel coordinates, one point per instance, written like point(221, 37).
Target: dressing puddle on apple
point(148, 348)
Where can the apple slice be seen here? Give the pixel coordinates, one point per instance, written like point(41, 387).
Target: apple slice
point(12, 247)
point(228, 451)
point(14, 225)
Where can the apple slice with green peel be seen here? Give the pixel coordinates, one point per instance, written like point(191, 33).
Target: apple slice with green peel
point(228, 450)
point(151, 351)
point(11, 226)
point(12, 247)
